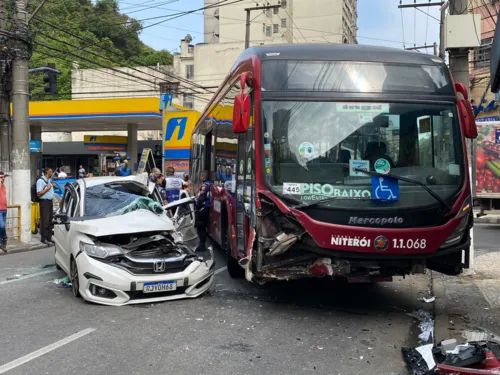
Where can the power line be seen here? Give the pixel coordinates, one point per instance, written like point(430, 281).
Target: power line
point(111, 52)
point(142, 28)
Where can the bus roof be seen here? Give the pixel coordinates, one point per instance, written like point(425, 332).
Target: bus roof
point(341, 52)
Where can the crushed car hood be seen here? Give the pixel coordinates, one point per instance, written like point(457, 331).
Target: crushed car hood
point(132, 222)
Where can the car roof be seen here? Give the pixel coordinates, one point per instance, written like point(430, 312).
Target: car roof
point(94, 181)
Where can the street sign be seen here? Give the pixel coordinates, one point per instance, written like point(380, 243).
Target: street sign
point(35, 146)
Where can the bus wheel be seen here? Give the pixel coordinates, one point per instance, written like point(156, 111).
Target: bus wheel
point(234, 269)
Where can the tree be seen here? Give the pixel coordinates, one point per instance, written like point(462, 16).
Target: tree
point(96, 32)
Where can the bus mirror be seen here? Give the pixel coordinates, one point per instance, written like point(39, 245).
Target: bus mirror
point(467, 119)
point(241, 113)
point(245, 79)
point(460, 87)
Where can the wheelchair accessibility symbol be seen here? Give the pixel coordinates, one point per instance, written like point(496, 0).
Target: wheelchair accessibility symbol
point(385, 188)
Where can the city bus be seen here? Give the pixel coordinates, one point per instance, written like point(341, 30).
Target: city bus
point(337, 160)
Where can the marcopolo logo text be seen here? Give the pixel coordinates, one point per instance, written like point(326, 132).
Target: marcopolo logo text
point(355, 220)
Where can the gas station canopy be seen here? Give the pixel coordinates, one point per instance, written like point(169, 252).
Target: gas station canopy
point(96, 115)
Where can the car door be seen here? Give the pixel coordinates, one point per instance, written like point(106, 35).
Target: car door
point(62, 229)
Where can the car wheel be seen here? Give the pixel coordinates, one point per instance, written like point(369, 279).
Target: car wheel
point(75, 282)
point(234, 269)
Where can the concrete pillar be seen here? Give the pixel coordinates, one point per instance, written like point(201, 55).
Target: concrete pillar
point(35, 135)
point(132, 146)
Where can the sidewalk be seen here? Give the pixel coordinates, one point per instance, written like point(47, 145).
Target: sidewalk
point(487, 219)
point(15, 247)
point(471, 300)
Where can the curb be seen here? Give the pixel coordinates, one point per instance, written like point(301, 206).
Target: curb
point(487, 220)
point(24, 249)
point(443, 326)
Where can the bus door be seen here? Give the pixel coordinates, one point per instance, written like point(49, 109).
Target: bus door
point(245, 190)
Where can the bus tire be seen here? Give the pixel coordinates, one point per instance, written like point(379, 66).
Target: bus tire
point(233, 267)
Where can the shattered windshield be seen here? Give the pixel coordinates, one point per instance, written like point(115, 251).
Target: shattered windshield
point(117, 199)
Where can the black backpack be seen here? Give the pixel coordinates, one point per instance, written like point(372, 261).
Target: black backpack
point(34, 196)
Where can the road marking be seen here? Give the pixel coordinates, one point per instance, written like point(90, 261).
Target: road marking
point(220, 270)
point(28, 276)
point(28, 357)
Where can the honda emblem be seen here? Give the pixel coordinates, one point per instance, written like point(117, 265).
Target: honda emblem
point(159, 267)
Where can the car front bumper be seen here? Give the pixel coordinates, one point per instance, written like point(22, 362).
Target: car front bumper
point(195, 280)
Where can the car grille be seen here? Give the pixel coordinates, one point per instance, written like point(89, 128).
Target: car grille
point(142, 262)
point(140, 295)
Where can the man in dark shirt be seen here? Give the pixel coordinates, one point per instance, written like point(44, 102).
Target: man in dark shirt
point(203, 211)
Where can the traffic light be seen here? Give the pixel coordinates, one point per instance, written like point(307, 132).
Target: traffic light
point(50, 78)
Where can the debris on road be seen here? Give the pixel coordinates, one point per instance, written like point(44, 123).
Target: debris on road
point(426, 324)
point(62, 283)
point(429, 300)
point(472, 358)
point(15, 277)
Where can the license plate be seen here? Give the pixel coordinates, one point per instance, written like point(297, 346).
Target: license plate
point(160, 286)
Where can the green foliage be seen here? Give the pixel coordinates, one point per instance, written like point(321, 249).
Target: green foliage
point(95, 32)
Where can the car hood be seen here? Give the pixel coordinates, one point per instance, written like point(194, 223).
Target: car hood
point(131, 222)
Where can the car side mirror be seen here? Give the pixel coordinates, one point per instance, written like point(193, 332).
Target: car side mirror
point(61, 218)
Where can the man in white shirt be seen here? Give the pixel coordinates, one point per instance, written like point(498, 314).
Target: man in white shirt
point(62, 174)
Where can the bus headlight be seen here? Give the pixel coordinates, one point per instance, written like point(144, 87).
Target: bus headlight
point(459, 231)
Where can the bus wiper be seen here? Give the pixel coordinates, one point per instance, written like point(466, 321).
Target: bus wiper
point(411, 181)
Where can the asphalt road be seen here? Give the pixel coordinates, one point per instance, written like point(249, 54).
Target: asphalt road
point(239, 328)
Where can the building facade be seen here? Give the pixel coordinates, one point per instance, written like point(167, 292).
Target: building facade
point(295, 21)
point(480, 64)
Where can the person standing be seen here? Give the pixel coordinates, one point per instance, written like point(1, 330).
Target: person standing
point(3, 213)
point(202, 214)
point(45, 192)
point(81, 172)
point(173, 185)
point(62, 174)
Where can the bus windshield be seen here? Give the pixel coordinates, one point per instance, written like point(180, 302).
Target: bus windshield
point(314, 151)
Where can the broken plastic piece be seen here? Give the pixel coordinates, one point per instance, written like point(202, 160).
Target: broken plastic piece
point(490, 366)
point(322, 266)
point(415, 362)
point(448, 346)
point(283, 243)
point(429, 300)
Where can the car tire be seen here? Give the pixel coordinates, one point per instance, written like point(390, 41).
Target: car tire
point(233, 267)
point(73, 276)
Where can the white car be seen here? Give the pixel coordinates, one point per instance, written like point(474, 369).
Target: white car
point(120, 246)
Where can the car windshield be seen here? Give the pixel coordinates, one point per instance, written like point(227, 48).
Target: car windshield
point(315, 151)
point(117, 199)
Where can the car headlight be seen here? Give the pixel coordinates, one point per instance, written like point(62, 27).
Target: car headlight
point(100, 251)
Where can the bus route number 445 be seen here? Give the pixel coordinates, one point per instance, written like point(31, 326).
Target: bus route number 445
point(291, 188)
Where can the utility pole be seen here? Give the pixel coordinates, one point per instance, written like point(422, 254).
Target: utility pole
point(4, 98)
point(443, 6)
point(247, 29)
point(434, 46)
point(20, 104)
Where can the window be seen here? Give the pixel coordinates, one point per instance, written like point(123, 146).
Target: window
point(190, 49)
point(276, 10)
point(189, 71)
point(187, 101)
point(269, 13)
point(268, 30)
point(283, 3)
point(276, 28)
point(169, 88)
point(283, 22)
point(482, 54)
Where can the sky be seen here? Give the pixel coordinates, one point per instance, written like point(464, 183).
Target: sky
point(379, 23)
